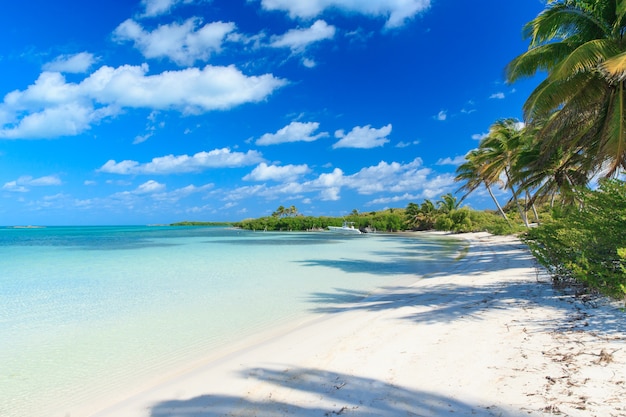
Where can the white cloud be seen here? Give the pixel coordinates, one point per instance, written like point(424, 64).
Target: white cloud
point(457, 160)
point(180, 193)
point(183, 43)
point(394, 199)
point(15, 187)
point(480, 136)
point(52, 107)
point(442, 115)
point(22, 183)
point(159, 7)
point(299, 39)
point(264, 172)
point(293, 132)
point(309, 63)
point(392, 177)
point(62, 120)
point(77, 63)
point(407, 181)
point(217, 158)
point(498, 96)
point(402, 144)
point(364, 137)
point(150, 187)
point(438, 186)
point(397, 12)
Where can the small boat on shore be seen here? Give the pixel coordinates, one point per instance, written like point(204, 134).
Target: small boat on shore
point(347, 228)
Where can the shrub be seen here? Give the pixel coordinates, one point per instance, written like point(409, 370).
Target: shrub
point(586, 244)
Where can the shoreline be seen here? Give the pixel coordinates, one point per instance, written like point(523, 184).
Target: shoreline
point(489, 336)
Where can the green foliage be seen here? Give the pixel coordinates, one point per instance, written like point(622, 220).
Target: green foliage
point(587, 243)
point(196, 223)
point(486, 221)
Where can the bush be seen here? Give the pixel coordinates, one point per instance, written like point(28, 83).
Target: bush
point(587, 244)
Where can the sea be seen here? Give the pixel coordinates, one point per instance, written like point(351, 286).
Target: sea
point(87, 312)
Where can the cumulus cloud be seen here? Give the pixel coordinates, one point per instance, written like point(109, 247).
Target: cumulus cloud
point(480, 136)
point(441, 116)
point(309, 63)
point(293, 132)
point(53, 107)
point(397, 12)
point(150, 187)
point(180, 193)
point(498, 95)
point(363, 137)
point(75, 64)
point(410, 179)
point(159, 7)
point(457, 160)
point(183, 43)
point(169, 164)
point(23, 183)
point(394, 199)
point(264, 172)
point(299, 39)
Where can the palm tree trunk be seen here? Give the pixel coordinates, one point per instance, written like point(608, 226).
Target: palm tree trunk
point(497, 204)
point(533, 207)
point(522, 213)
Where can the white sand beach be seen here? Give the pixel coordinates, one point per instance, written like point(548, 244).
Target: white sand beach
point(488, 337)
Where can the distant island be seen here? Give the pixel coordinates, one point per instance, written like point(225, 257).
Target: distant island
point(195, 223)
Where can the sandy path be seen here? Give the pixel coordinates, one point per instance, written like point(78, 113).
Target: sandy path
point(488, 337)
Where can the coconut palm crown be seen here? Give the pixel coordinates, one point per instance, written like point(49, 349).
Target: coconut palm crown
point(581, 45)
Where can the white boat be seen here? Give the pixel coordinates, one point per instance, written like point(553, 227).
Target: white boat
point(347, 228)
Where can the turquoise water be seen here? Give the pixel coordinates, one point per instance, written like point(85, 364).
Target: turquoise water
point(92, 310)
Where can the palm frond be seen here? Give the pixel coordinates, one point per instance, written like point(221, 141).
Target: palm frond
point(561, 20)
point(586, 58)
point(614, 68)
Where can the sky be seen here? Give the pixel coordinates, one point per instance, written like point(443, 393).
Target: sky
point(157, 111)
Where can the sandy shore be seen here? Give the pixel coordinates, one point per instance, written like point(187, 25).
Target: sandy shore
point(490, 336)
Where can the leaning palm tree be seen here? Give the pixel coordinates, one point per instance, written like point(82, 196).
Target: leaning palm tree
point(560, 174)
point(471, 172)
point(501, 148)
point(582, 47)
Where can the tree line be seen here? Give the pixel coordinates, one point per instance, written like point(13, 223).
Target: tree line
point(573, 137)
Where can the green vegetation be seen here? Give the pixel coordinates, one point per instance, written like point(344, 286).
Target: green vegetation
point(587, 243)
point(444, 215)
point(193, 223)
point(574, 130)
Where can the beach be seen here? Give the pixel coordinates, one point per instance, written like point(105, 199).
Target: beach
point(487, 336)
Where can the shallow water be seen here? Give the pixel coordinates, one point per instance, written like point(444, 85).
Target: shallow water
point(90, 310)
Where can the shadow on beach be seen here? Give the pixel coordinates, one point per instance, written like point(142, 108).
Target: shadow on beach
point(512, 285)
point(516, 282)
point(322, 393)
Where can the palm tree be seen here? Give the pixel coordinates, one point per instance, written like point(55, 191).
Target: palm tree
point(561, 174)
point(472, 173)
point(582, 47)
point(501, 148)
point(447, 203)
point(411, 215)
point(427, 215)
point(280, 211)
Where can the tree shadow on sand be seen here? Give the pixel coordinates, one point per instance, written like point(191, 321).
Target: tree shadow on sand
point(319, 393)
point(444, 302)
point(430, 263)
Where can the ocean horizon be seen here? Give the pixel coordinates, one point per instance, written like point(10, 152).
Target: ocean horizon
point(94, 311)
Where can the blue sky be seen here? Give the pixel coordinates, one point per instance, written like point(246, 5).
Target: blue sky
point(156, 111)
